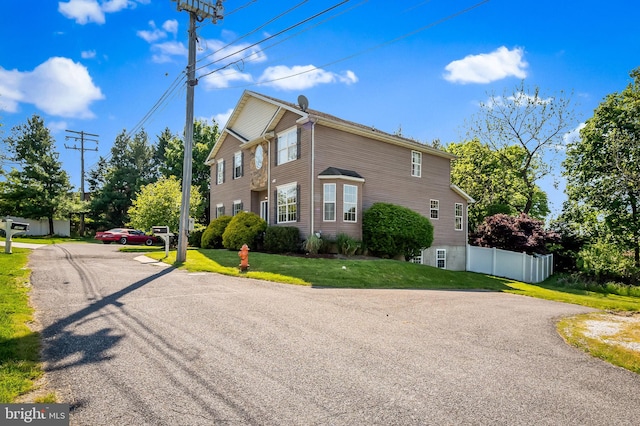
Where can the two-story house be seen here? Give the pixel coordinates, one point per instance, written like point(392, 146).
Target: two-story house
point(294, 166)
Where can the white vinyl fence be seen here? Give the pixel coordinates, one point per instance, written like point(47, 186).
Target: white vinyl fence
point(41, 227)
point(509, 264)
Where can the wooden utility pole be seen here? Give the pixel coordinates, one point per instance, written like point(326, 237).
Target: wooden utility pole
point(82, 138)
point(198, 11)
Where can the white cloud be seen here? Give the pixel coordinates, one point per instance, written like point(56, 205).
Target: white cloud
point(59, 87)
point(83, 11)
point(487, 67)
point(171, 26)
point(222, 55)
point(151, 36)
point(221, 118)
point(88, 54)
point(86, 11)
point(302, 77)
point(520, 100)
point(168, 49)
point(573, 135)
point(222, 78)
point(57, 126)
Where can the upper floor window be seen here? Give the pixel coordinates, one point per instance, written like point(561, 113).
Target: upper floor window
point(329, 202)
point(434, 209)
point(416, 163)
point(287, 207)
point(350, 203)
point(459, 216)
point(288, 146)
point(237, 165)
point(220, 172)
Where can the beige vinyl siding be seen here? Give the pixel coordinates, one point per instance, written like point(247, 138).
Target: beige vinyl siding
point(232, 189)
point(386, 169)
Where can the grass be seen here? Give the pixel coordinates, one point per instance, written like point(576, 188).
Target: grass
point(19, 346)
point(45, 239)
point(576, 332)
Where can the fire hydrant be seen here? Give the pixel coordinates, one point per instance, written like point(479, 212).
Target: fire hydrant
point(244, 258)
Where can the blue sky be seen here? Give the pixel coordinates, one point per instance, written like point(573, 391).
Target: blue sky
point(421, 67)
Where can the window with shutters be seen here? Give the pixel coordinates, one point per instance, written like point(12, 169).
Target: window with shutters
point(220, 173)
point(237, 165)
point(287, 196)
point(350, 203)
point(329, 202)
point(287, 146)
point(237, 207)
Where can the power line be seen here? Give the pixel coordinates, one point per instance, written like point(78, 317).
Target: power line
point(82, 138)
point(362, 52)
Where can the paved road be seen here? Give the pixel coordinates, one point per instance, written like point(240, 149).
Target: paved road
point(128, 343)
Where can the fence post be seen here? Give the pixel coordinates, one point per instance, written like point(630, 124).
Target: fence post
point(493, 261)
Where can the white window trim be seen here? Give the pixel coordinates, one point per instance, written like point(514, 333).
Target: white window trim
point(233, 209)
point(461, 216)
point(354, 204)
point(218, 207)
point(220, 174)
point(418, 164)
point(443, 258)
point(294, 131)
point(279, 188)
point(432, 209)
point(418, 259)
point(237, 167)
point(325, 202)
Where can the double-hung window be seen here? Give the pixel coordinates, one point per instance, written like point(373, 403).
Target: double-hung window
point(434, 209)
point(287, 197)
point(237, 165)
point(350, 203)
point(287, 146)
point(219, 210)
point(237, 207)
point(416, 164)
point(329, 198)
point(441, 258)
point(220, 172)
point(459, 216)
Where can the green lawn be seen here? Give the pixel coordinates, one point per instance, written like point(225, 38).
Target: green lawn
point(19, 346)
point(349, 273)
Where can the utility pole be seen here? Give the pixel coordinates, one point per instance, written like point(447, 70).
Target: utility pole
point(198, 11)
point(82, 138)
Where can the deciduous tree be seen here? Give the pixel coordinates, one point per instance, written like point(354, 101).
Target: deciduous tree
point(530, 120)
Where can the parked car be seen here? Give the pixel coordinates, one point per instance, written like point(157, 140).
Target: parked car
point(126, 236)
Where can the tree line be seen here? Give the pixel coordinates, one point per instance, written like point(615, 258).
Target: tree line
point(512, 143)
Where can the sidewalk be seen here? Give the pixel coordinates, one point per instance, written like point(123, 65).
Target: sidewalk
point(23, 245)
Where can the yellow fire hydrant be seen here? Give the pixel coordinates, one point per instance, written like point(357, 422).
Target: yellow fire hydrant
point(244, 258)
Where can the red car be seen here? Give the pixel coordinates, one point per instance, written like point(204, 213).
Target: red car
point(126, 236)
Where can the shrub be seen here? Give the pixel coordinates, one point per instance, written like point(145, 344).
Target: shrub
point(607, 262)
point(212, 236)
point(390, 230)
point(281, 239)
point(347, 245)
point(312, 244)
point(514, 233)
point(244, 228)
point(195, 236)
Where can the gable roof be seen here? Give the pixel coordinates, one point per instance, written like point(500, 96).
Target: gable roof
point(255, 117)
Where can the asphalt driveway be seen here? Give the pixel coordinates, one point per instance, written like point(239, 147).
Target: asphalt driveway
point(127, 343)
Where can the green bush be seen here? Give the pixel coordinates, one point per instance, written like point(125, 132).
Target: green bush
point(212, 236)
point(312, 244)
point(244, 228)
point(281, 239)
point(607, 262)
point(390, 230)
point(347, 245)
point(195, 236)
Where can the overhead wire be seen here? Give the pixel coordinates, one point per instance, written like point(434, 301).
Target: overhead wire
point(362, 52)
point(268, 38)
